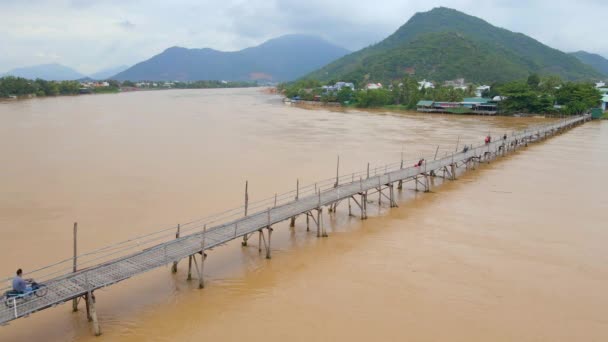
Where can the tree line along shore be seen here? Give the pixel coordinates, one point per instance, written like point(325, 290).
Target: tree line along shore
point(18, 87)
point(548, 95)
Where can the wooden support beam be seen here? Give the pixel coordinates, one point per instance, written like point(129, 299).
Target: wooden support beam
point(75, 263)
point(269, 229)
point(320, 219)
point(93, 313)
point(260, 236)
point(364, 206)
point(350, 212)
point(318, 222)
point(190, 267)
point(201, 283)
point(86, 303)
point(337, 173)
point(307, 221)
point(174, 267)
point(245, 237)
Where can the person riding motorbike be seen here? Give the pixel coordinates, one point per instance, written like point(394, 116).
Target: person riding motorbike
point(21, 285)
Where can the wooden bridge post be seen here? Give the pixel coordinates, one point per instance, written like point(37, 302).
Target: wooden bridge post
point(350, 213)
point(379, 191)
point(174, 268)
point(269, 235)
point(93, 314)
point(260, 241)
point(400, 183)
point(75, 263)
point(307, 221)
point(453, 168)
point(246, 237)
point(363, 200)
point(337, 173)
point(189, 267)
point(268, 256)
point(201, 280)
point(319, 216)
point(91, 310)
point(427, 183)
point(320, 223)
point(293, 218)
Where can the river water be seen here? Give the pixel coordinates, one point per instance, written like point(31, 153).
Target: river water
point(513, 251)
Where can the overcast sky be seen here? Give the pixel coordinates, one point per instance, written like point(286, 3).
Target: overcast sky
point(90, 35)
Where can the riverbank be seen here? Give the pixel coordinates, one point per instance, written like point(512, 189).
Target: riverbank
point(334, 106)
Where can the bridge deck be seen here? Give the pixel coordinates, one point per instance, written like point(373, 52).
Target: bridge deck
point(67, 286)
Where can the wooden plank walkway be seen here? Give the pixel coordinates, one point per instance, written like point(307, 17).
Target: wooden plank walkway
point(202, 236)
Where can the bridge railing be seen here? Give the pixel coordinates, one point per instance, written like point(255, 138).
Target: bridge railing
point(142, 242)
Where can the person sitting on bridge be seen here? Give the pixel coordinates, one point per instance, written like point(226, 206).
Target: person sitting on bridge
point(504, 137)
point(465, 149)
point(419, 163)
point(19, 284)
point(488, 139)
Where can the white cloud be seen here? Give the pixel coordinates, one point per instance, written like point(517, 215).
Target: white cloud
point(90, 35)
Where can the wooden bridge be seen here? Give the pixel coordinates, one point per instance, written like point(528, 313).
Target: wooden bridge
point(78, 277)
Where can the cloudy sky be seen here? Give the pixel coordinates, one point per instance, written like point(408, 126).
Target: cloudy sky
point(90, 35)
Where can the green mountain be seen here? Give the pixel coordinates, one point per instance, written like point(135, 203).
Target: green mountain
point(445, 44)
point(597, 62)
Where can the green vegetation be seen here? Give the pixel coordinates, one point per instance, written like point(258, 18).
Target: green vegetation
point(17, 86)
point(444, 44)
point(532, 95)
point(403, 94)
point(536, 96)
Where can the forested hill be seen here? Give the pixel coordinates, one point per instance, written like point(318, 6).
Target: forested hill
point(282, 59)
point(445, 44)
point(598, 62)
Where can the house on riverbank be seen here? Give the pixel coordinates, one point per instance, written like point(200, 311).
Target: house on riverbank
point(474, 105)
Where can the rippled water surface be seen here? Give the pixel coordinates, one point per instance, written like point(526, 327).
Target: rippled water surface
point(513, 251)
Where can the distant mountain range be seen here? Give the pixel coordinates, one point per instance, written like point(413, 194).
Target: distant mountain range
point(58, 72)
point(55, 72)
point(442, 44)
point(598, 62)
point(282, 59)
point(108, 73)
point(445, 44)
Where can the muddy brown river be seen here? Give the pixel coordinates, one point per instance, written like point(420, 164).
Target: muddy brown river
point(513, 251)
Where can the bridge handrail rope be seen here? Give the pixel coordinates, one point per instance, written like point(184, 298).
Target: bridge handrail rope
point(145, 241)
